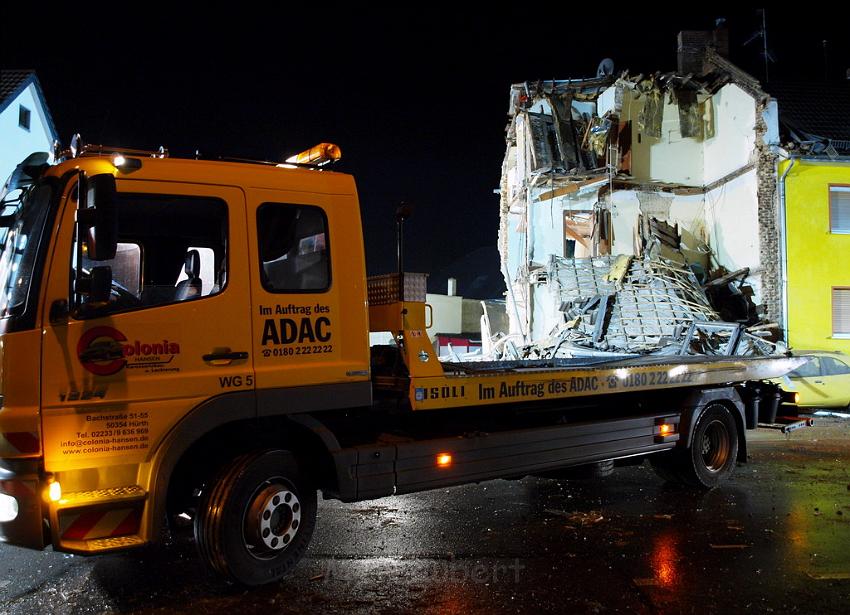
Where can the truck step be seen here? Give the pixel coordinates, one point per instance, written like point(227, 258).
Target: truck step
point(101, 520)
point(115, 495)
point(102, 545)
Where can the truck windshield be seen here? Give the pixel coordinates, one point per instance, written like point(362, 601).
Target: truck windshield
point(23, 212)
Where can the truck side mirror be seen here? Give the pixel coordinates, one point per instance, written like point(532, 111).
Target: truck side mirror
point(97, 285)
point(97, 216)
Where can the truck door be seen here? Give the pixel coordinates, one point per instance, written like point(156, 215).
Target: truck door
point(174, 332)
point(309, 311)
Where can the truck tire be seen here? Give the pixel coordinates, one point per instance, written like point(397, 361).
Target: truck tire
point(710, 458)
point(256, 518)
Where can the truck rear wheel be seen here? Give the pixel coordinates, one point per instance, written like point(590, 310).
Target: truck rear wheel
point(256, 518)
point(711, 457)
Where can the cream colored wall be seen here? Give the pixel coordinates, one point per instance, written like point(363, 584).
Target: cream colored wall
point(733, 226)
point(690, 161)
point(688, 211)
point(672, 158)
point(734, 142)
point(447, 314)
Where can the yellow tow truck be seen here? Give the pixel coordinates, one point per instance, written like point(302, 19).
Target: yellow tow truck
point(189, 337)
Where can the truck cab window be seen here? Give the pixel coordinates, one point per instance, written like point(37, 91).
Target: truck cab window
point(22, 217)
point(200, 270)
point(293, 244)
point(171, 249)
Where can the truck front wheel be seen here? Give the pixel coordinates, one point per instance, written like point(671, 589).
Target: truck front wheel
point(711, 456)
point(256, 518)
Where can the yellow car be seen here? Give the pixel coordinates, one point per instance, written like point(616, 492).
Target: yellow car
point(823, 382)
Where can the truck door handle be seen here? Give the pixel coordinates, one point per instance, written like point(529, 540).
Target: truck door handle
point(225, 356)
point(818, 381)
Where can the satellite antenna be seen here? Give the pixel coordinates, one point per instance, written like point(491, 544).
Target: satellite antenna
point(606, 68)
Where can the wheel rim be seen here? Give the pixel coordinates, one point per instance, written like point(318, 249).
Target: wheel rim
point(272, 519)
point(715, 446)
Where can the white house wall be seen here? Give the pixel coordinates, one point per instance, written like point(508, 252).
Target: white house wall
point(770, 115)
point(513, 261)
point(446, 313)
point(688, 211)
point(18, 143)
point(544, 316)
point(672, 158)
point(734, 142)
point(547, 223)
point(736, 244)
point(607, 101)
point(690, 161)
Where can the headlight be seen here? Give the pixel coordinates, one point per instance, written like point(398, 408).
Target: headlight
point(8, 508)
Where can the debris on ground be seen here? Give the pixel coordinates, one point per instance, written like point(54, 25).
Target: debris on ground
point(628, 306)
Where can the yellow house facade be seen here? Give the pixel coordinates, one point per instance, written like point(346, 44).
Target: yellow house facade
point(815, 207)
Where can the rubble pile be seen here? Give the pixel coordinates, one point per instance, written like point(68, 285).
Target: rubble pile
point(629, 306)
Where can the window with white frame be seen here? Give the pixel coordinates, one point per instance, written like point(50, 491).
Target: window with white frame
point(841, 312)
point(839, 209)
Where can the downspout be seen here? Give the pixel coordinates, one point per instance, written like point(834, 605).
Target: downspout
point(783, 248)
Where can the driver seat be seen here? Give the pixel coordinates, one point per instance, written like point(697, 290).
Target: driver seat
point(191, 286)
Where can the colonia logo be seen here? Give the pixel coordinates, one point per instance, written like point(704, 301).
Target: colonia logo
point(105, 351)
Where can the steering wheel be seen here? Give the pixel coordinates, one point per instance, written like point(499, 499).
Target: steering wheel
point(121, 297)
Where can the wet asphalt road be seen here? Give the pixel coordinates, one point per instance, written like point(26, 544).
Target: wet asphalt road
point(775, 538)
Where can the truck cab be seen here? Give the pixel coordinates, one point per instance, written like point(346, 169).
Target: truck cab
point(221, 281)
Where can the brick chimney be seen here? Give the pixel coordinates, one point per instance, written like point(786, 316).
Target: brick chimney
point(692, 45)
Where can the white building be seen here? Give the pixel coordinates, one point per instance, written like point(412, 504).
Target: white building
point(594, 166)
point(25, 122)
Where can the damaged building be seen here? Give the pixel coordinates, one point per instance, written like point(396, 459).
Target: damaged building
point(635, 209)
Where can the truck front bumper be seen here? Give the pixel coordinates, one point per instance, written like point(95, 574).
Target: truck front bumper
point(20, 503)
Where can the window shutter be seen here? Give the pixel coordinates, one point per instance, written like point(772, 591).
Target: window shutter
point(841, 311)
point(839, 209)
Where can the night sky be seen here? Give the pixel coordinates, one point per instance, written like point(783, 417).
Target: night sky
point(416, 100)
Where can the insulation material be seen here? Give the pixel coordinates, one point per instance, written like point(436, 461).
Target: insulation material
point(707, 110)
point(542, 130)
point(598, 135)
point(565, 132)
point(690, 114)
point(624, 146)
point(655, 204)
point(652, 114)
